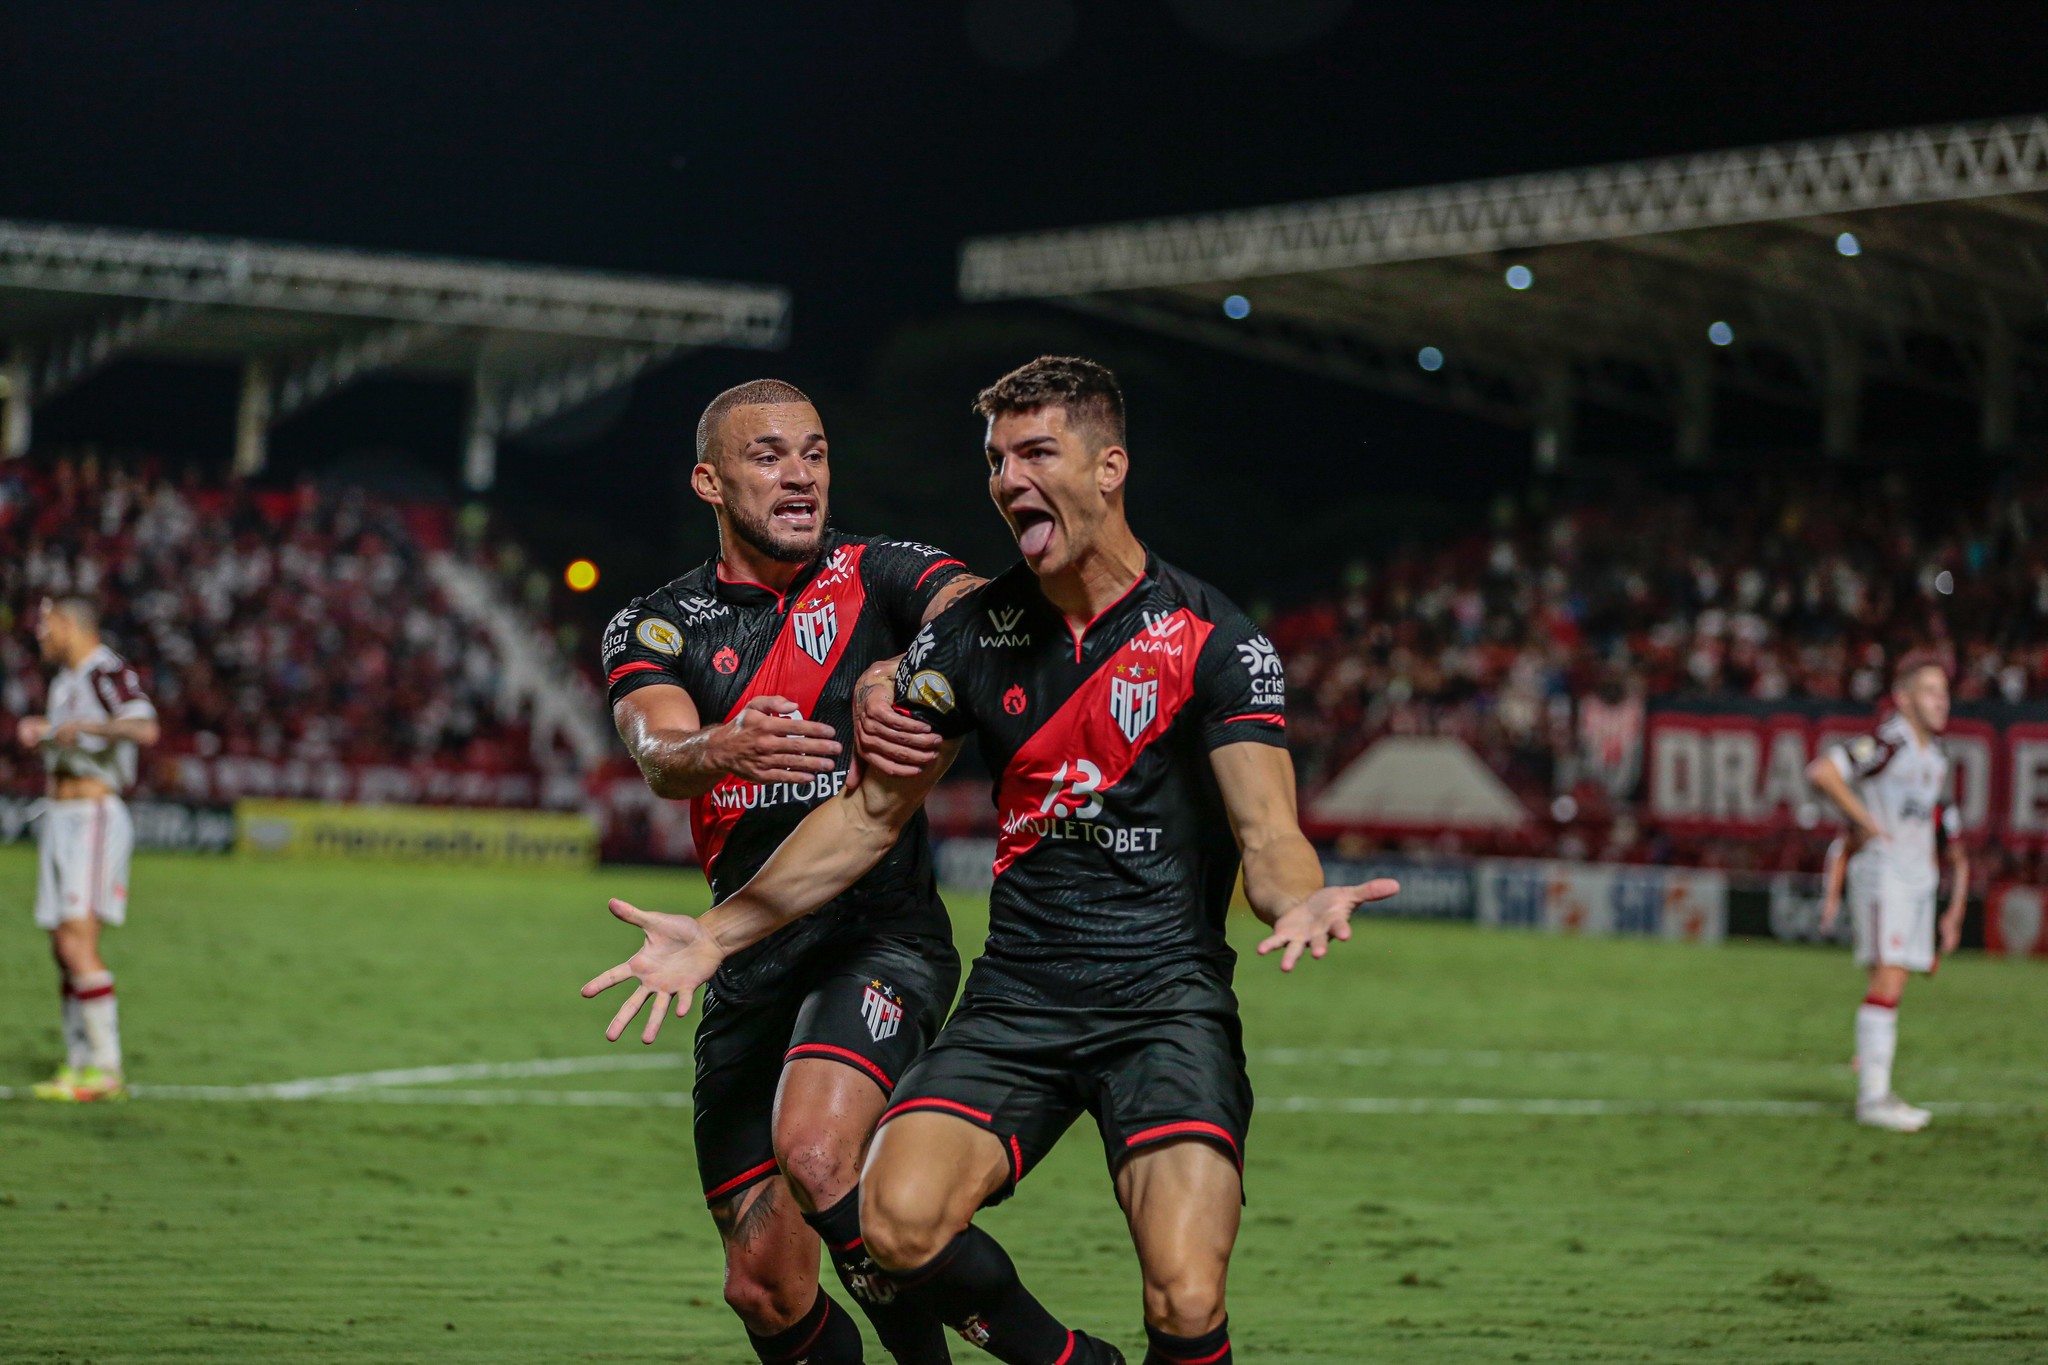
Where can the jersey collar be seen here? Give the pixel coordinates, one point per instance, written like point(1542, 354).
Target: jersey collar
point(743, 592)
point(1107, 622)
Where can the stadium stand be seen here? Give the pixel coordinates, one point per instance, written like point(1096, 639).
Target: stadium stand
point(302, 641)
point(1542, 641)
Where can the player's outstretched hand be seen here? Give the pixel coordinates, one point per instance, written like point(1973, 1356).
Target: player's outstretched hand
point(1318, 918)
point(886, 739)
point(677, 957)
point(768, 740)
point(29, 730)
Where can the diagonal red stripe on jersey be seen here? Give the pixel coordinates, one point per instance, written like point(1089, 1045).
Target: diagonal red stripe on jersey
point(787, 671)
point(1153, 671)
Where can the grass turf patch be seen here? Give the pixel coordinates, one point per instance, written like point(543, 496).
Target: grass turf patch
point(353, 1230)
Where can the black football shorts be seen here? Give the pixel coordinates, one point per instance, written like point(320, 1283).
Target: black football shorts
point(1170, 1068)
point(872, 1004)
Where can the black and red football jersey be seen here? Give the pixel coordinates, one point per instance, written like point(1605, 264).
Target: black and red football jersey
point(727, 642)
point(1114, 857)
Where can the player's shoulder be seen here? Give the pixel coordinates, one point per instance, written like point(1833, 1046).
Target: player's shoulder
point(1198, 595)
point(691, 599)
point(103, 661)
point(895, 551)
point(1872, 750)
point(1229, 623)
point(662, 620)
point(979, 611)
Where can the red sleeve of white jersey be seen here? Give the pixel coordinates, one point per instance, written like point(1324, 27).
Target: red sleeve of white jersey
point(119, 689)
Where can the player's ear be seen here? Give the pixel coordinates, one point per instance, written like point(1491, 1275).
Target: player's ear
point(1112, 468)
point(704, 483)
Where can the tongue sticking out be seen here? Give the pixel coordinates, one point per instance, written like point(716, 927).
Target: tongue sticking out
point(1036, 537)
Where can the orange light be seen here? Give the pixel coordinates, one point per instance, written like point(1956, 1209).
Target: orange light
point(581, 575)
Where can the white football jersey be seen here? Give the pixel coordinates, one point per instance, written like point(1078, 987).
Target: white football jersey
point(102, 687)
point(1904, 785)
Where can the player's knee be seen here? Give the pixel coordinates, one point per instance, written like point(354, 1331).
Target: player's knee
point(904, 1227)
point(766, 1304)
point(1184, 1302)
point(75, 949)
point(822, 1164)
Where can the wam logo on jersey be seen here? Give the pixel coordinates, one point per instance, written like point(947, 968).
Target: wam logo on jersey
point(1005, 620)
point(882, 1008)
point(1133, 699)
point(817, 628)
point(1163, 625)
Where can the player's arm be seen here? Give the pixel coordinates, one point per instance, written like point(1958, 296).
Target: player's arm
point(1827, 777)
point(1833, 873)
point(1283, 877)
point(142, 730)
point(767, 740)
point(1959, 883)
point(836, 845)
point(130, 716)
point(889, 739)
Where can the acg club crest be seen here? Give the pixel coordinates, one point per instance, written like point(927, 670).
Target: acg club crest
point(816, 629)
point(882, 1010)
point(1133, 699)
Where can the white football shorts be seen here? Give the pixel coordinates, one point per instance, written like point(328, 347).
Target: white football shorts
point(84, 864)
point(1894, 921)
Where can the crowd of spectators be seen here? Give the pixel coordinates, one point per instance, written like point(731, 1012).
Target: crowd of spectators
point(290, 625)
point(1541, 640)
point(302, 625)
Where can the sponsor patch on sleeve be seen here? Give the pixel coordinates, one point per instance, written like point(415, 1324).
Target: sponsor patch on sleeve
point(659, 636)
point(931, 690)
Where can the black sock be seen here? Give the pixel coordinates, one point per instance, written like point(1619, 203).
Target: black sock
point(909, 1330)
point(973, 1288)
point(1211, 1348)
point(824, 1336)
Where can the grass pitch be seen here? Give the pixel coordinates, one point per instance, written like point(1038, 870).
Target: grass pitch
point(1471, 1146)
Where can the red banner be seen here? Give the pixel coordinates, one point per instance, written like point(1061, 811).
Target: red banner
point(1742, 770)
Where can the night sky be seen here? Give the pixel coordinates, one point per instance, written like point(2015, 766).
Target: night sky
point(844, 151)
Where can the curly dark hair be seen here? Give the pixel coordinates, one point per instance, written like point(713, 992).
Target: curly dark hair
point(1087, 391)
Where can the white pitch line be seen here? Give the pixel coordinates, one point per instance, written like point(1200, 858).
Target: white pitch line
point(1292, 1104)
point(316, 1087)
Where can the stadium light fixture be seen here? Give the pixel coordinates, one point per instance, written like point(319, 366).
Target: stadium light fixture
point(1430, 358)
point(1847, 244)
point(1520, 277)
point(1944, 582)
point(1237, 307)
point(1720, 333)
point(581, 575)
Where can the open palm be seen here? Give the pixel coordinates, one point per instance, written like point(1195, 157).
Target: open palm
point(675, 958)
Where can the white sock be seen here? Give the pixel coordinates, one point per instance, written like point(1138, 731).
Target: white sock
point(77, 1048)
point(1877, 1039)
point(100, 1017)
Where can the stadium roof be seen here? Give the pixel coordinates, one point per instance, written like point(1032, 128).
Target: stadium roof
point(306, 321)
point(1939, 283)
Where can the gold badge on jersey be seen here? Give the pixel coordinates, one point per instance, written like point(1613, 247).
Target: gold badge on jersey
point(659, 636)
point(931, 690)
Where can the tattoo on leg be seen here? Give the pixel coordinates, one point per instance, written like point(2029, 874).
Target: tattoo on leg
point(741, 1218)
